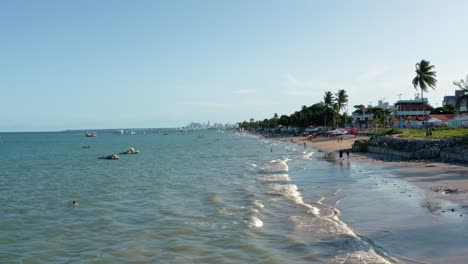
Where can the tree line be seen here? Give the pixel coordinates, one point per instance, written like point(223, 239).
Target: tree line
point(325, 113)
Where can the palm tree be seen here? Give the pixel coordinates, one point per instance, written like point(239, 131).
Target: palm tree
point(341, 100)
point(425, 77)
point(463, 84)
point(328, 101)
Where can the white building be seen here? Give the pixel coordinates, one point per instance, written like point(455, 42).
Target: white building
point(411, 110)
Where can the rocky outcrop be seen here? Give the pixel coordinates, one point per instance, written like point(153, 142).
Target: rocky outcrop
point(451, 149)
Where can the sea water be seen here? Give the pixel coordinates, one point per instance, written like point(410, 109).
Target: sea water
point(201, 197)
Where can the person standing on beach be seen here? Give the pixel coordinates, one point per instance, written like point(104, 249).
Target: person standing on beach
point(341, 153)
point(347, 153)
point(305, 145)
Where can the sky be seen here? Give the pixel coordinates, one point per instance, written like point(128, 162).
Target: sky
point(143, 64)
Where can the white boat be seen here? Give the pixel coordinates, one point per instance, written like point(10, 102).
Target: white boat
point(91, 134)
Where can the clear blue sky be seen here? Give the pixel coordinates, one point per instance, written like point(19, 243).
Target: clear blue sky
point(110, 64)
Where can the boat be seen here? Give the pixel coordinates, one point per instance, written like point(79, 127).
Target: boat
point(91, 134)
point(338, 132)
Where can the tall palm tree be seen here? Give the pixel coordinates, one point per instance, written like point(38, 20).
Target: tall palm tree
point(341, 99)
point(328, 101)
point(425, 77)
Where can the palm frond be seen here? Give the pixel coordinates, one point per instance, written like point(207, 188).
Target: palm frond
point(425, 76)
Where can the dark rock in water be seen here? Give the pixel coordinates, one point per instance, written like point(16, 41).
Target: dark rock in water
point(130, 151)
point(445, 190)
point(110, 157)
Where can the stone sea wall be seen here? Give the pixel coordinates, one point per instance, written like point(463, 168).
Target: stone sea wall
point(451, 149)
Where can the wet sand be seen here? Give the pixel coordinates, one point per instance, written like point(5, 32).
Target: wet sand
point(437, 234)
point(440, 180)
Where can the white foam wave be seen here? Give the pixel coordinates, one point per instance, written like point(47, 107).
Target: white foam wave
point(257, 204)
point(313, 211)
point(307, 155)
point(360, 251)
point(279, 165)
point(255, 222)
point(290, 192)
point(322, 226)
point(254, 211)
point(274, 177)
point(362, 257)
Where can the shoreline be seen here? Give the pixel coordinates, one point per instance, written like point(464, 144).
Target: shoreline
point(444, 181)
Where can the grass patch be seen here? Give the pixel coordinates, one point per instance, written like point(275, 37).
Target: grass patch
point(436, 133)
point(420, 133)
point(384, 131)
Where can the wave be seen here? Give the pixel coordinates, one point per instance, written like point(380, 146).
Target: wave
point(307, 155)
point(274, 177)
point(254, 222)
point(321, 221)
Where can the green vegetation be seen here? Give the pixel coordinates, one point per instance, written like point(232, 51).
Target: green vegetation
point(385, 131)
point(436, 133)
point(326, 113)
point(449, 132)
point(425, 76)
point(446, 109)
point(420, 133)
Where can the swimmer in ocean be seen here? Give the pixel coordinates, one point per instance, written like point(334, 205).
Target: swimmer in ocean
point(75, 203)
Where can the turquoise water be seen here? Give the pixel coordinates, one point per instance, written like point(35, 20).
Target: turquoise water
point(198, 197)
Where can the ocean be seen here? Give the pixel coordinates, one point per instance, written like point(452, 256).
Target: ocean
point(207, 197)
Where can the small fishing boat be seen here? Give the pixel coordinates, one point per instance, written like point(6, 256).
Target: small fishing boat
point(91, 134)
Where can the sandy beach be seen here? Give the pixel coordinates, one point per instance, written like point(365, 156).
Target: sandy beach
point(440, 180)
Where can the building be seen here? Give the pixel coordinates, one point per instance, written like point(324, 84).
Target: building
point(440, 120)
point(383, 105)
point(410, 111)
point(459, 121)
point(362, 118)
point(459, 100)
